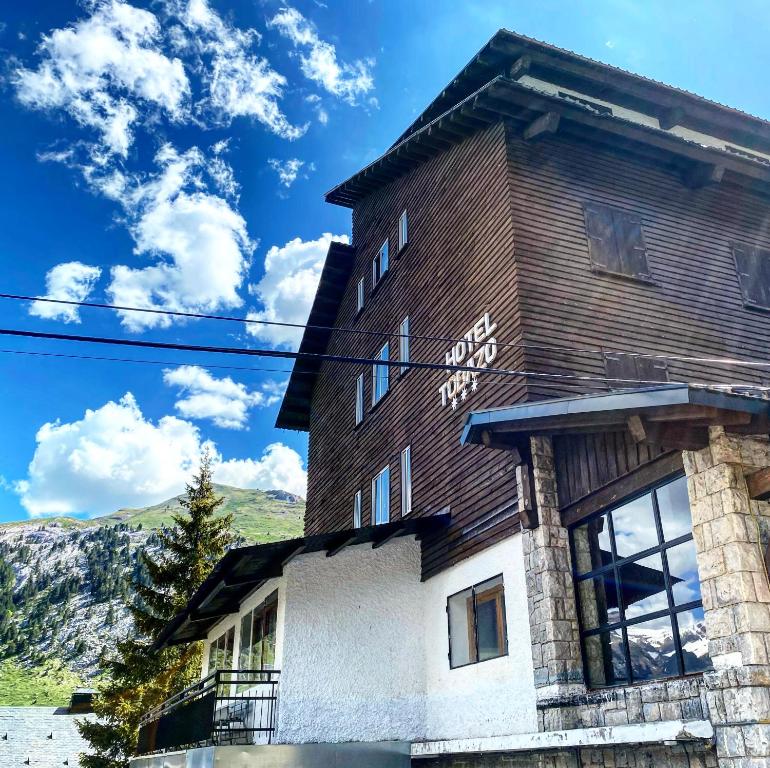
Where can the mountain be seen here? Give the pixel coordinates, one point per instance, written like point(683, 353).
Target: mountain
point(64, 581)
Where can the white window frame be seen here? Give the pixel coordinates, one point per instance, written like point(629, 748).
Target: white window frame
point(380, 264)
point(403, 231)
point(359, 399)
point(406, 481)
point(381, 516)
point(403, 343)
point(357, 509)
point(383, 354)
point(360, 296)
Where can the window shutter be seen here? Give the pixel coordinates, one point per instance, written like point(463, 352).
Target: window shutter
point(753, 265)
point(620, 367)
point(601, 238)
point(631, 249)
point(652, 369)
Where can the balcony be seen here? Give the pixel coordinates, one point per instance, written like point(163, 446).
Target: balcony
point(229, 707)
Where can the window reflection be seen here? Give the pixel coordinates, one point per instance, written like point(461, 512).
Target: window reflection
point(674, 507)
point(634, 525)
point(605, 657)
point(643, 586)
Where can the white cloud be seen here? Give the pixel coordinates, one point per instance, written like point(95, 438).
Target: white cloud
point(104, 70)
point(115, 457)
point(225, 402)
point(287, 289)
point(279, 468)
point(239, 83)
point(288, 170)
point(71, 281)
point(199, 240)
point(319, 61)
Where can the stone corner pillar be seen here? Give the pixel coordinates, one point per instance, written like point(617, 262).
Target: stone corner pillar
point(731, 531)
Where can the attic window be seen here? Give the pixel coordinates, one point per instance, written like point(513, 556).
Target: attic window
point(616, 242)
point(627, 371)
point(753, 265)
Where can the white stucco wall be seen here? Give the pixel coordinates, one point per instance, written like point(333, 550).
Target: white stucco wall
point(493, 697)
point(353, 653)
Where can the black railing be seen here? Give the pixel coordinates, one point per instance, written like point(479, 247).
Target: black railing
point(227, 707)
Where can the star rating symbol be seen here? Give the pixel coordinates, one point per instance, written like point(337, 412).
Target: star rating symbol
point(454, 403)
point(475, 383)
point(463, 393)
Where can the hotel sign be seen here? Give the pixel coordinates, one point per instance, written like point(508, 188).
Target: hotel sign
point(476, 349)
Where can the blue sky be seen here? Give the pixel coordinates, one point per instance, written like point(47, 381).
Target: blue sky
point(175, 153)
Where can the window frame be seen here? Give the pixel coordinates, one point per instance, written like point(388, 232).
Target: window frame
point(376, 377)
point(358, 509)
point(378, 273)
point(375, 496)
point(406, 487)
point(360, 296)
point(475, 657)
point(360, 400)
point(403, 231)
point(403, 345)
point(672, 610)
point(740, 253)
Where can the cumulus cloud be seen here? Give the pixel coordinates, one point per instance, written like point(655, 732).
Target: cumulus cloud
point(70, 281)
point(104, 71)
point(198, 240)
point(288, 170)
point(279, 468)
point(115, 457)
point(288, 286)
point(225, 402)
point(239, 82)
point(318, 58)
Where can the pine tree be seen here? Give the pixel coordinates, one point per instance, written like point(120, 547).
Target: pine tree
point(139, 679)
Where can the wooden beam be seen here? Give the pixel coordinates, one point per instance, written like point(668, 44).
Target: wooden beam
point(528, 515)
point(296, 551)
point(758, 484)
point(520, 67)
point(703, 174)
point(239, 581)
point(377, 543)
point(671, 117)
point(683, 437)
point(636, 428)
point(542, 126)
point(338, 546)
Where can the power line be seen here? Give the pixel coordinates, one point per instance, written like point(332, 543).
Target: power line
point(323, 357)
point(390, 334)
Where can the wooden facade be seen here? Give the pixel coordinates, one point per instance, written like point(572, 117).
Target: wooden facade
point(497, 224)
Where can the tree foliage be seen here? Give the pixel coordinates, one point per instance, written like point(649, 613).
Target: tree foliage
point(138, 678)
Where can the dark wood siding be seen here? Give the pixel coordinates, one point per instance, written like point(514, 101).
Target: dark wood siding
point(458, 264)
point(694, 307)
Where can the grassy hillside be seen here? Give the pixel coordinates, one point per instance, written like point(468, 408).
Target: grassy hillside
point(48, 685)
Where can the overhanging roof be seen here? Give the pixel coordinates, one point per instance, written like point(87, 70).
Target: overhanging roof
point(697, 407)
point(243, 570)
point(295, 408)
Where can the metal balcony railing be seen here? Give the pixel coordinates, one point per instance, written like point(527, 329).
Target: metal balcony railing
point(227, 707)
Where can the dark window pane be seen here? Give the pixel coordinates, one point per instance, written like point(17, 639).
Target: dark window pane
point(692, 635)
point(605, 660)
point(601, 238)
point(634, 526)
point(683, 569)
point(628, 233)
point(643, 586)
point(599, 601)
point(674, 506)
point(490, 619)
point(592, 545)
point(651, 646)
point(268, 639)
point(462, 646)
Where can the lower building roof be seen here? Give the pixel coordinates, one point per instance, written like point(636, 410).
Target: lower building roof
point(243, 570)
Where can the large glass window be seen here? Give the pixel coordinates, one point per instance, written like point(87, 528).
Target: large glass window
point(381, 497)
point(638, 590)
point(477, 629)
point(221, 651)
point(257, 646)
point(380, 375)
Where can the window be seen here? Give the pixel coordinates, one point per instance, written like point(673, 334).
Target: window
point(753, 265)
point(406, 481)
point(380, 376)
point(357, 510)
point(360, 295)
point(477, 629)
point(381, 497)
point(626, 371)
point(359, 399)
point(380, 264)
point(403, 344)
point(403, 232)
point(221, 651)
point(638, 590)
point(616, 242)
point(257, 648)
